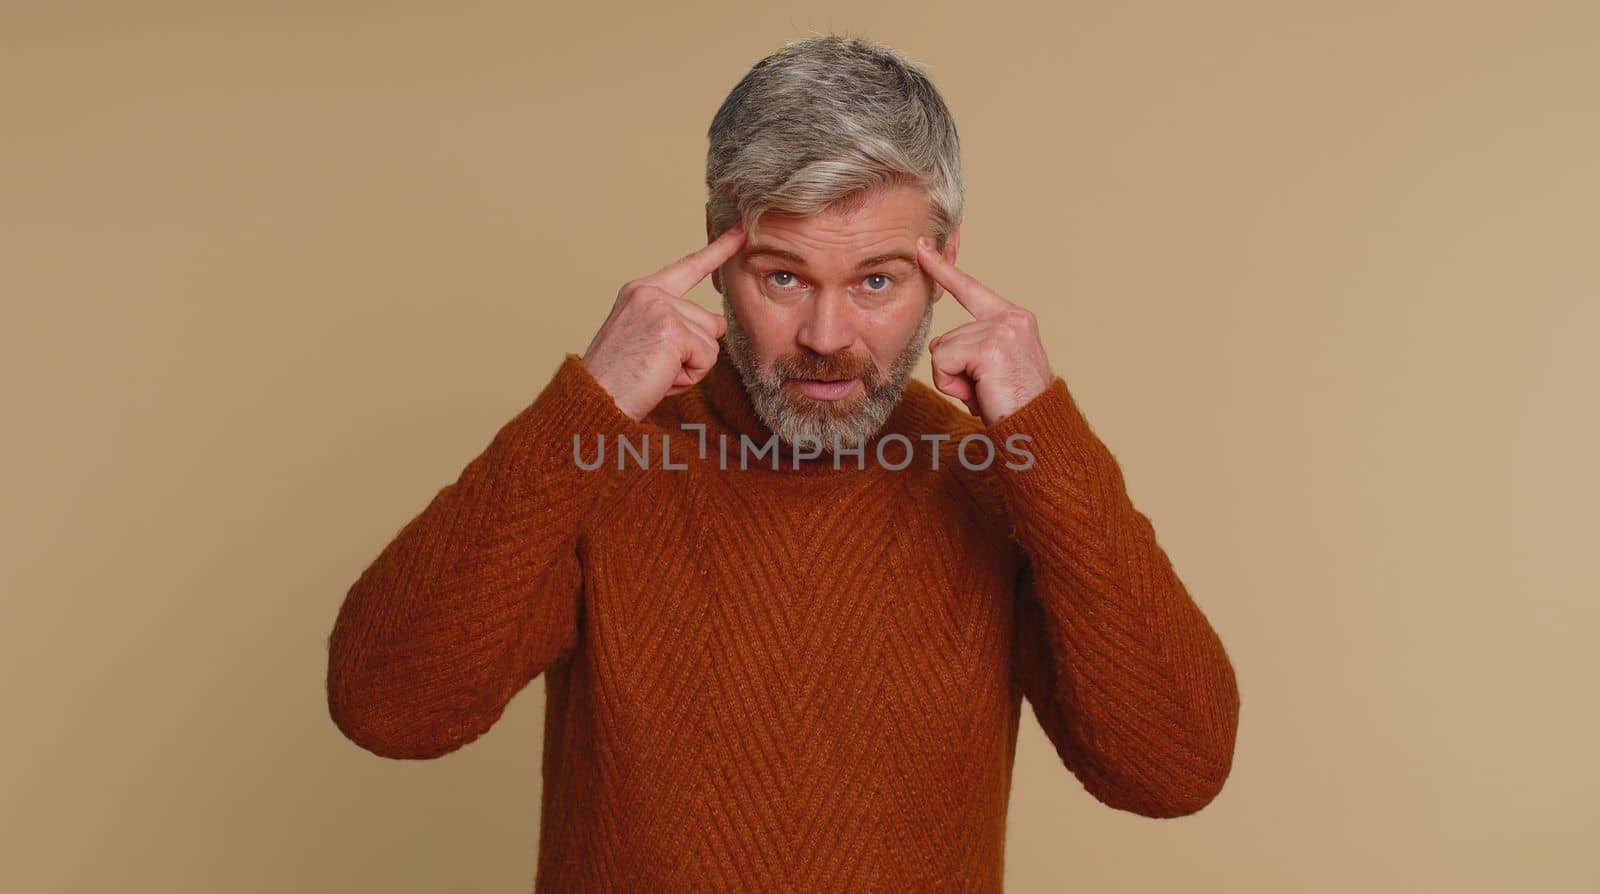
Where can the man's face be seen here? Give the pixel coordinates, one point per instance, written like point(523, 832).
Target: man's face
point(829, 313)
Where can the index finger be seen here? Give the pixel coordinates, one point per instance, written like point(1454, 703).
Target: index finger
point(681, 275)
point(973, 295)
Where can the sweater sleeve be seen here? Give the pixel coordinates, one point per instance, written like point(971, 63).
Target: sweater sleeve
point(1123, 670)
point(479, 593)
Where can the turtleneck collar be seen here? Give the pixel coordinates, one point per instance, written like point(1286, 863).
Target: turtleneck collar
point(721, 402)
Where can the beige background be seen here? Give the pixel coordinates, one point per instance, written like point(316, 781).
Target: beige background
point(1323, 276)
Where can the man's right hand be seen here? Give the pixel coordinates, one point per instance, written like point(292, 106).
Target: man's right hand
point(655, 342)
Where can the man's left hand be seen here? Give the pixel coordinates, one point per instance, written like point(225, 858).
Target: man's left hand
point(994, 364)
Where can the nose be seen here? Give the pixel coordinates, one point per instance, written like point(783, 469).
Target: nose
point(829, 323)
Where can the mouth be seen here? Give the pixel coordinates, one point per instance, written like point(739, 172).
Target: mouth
point(826, 389)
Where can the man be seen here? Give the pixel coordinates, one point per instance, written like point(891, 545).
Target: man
point(787, 650)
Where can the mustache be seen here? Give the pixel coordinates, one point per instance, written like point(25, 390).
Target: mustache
point(795, 366)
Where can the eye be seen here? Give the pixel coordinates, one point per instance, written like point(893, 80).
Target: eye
point(777, 273)
point(887, 281)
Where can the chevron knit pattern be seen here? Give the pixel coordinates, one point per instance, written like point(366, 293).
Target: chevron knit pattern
point(801, 679)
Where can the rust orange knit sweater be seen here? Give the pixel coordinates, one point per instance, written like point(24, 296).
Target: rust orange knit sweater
point(797, 679)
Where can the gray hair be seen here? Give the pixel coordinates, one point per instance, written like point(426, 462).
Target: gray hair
point(824, 122)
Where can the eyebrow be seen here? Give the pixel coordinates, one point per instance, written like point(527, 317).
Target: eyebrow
point(874, 261)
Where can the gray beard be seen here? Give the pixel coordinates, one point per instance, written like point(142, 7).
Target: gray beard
point(792, 416)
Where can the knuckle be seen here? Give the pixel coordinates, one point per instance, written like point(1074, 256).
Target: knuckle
point(630, 290)
point(646, 292)
point(666, 324)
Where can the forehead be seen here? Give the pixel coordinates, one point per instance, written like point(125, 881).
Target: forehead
point(886, 221)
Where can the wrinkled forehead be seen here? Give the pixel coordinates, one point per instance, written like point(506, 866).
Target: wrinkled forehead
point(892, 251)
point(879, 229)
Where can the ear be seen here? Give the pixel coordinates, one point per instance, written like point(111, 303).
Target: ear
point(716, 279)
